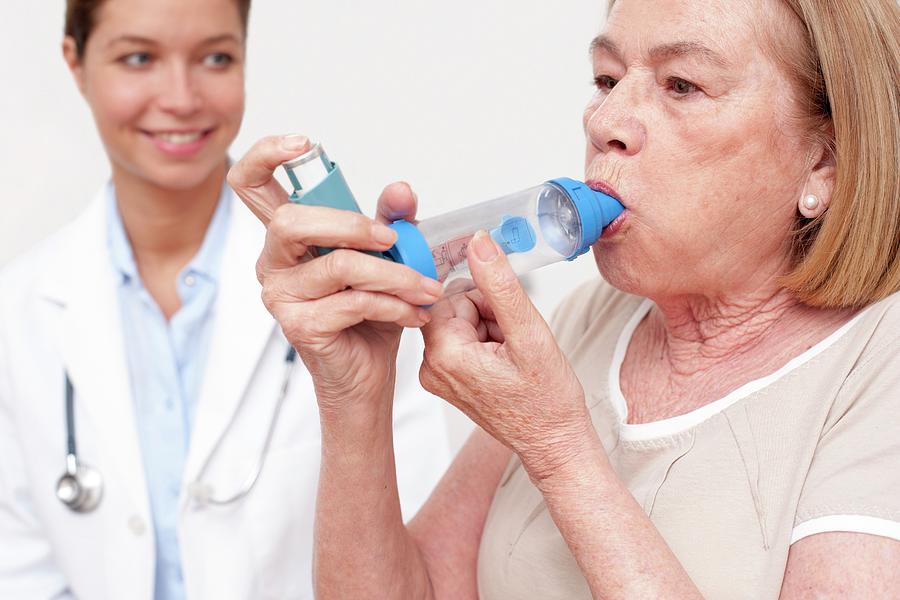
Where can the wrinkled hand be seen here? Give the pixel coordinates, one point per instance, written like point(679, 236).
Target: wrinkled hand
point(343, 311)
point(490, 353)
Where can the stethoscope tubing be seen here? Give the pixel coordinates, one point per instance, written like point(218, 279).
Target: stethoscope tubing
point(201, 491)
point(88, 484)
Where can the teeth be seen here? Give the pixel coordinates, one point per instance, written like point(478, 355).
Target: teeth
point(179, 138)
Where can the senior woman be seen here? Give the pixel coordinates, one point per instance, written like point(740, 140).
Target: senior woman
point(721, 418)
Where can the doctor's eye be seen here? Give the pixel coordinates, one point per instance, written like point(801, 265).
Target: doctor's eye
point(604, 82)
point(218, 60)
point(136, 59)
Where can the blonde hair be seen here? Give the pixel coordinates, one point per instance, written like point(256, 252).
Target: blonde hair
point(850, 256)
point(847, 68)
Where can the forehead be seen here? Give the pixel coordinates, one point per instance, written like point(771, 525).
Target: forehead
point(168, 21)
point(726, 26)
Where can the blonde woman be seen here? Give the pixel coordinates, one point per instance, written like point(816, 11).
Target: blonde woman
point(719, 416)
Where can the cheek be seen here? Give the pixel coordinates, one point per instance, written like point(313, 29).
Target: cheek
point(590, 150)
point(117, 103)
point(734, 180)
point(225, 97)
point(739, 158)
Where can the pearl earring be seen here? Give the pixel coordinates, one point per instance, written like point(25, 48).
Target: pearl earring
point(810, 206)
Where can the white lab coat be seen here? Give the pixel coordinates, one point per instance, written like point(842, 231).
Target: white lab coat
point(58, 311)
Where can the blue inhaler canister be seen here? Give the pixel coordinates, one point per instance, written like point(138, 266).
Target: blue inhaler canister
point(556, 220)
point(319, 182)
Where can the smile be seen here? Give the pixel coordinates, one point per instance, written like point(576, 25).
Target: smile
point(179, 143)
point(179, 138)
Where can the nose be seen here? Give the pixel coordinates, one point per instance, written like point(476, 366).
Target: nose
point(178, 94)
point(612, 125)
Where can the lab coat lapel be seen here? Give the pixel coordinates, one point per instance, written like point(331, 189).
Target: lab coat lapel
point(241, 330)
point(83, 287)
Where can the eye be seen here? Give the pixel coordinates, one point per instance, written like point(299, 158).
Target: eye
point(680, 86)
point(136, 59)
point(218, 59)
point(604, 82)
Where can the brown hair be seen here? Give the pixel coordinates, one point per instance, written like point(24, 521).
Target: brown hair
point(846, 64)
point(81, 18)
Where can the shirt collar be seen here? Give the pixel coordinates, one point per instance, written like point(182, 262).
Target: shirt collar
point(206, 263)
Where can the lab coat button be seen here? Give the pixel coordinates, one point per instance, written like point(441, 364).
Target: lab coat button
point(190, 280)
point(137, 525)
point(199, 491)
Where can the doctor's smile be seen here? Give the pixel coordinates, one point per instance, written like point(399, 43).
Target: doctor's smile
point(179, 143)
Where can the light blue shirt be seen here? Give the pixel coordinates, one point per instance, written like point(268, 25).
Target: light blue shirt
point(166, 362)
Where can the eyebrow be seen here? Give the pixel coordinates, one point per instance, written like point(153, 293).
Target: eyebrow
point(663, 51)
point(136, 39)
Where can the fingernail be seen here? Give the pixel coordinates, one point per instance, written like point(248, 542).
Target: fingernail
point(432, 287)
point(384, 234)
point(294, 142)
point(424, 316)
point(484, 246)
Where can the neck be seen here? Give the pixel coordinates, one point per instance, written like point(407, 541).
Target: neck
point(696, 333)
point(166, 227)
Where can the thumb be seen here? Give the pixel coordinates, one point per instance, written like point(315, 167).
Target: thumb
point(522, 325)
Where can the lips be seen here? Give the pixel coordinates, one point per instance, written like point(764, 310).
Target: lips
point(599, 185)
point(179, 143)
point(614, 226)
point(178, 136)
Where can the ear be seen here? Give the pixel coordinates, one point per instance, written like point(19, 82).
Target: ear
point(70, 55)
point(822, 176)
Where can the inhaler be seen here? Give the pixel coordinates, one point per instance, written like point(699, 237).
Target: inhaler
point(554, 221)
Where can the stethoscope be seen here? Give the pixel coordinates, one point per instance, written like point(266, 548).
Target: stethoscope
point(80, 488)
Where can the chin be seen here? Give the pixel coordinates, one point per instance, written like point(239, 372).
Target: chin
point(614, 269)
point(179, 176)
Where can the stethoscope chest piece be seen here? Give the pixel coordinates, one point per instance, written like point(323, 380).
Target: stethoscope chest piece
point(80, 488)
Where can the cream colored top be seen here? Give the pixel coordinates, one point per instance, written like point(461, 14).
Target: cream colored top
point(813, 447)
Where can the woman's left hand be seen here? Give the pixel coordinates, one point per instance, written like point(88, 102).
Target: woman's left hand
point(491, 354)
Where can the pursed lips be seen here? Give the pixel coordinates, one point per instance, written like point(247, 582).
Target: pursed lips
point(599, 185)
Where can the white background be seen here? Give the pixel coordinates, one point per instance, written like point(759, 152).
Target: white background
point(466, 100)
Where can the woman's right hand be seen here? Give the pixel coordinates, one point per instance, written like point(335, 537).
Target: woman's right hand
point(343, 311)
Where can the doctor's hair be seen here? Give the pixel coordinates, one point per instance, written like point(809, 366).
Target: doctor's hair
point(81, 16)
point(844, 59)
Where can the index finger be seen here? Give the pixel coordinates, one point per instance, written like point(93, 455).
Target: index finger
point(252, 178)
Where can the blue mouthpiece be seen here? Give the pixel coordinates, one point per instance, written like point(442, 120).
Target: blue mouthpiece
point(595, 210)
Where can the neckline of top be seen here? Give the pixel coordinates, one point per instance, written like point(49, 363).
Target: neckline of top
point(634, 432)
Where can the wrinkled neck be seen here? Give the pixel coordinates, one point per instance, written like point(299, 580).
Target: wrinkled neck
point(696, 334)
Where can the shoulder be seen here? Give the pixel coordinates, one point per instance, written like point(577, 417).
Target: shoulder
point(865, 369)
point(876, 334)
point(592, 305)
point(884, 319)
point(60, 253)
point(20, 276)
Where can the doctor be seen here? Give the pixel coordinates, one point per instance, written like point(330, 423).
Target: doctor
point(158, 439)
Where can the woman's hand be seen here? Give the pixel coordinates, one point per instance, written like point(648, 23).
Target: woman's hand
point(343, 311)
point(490, 353)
